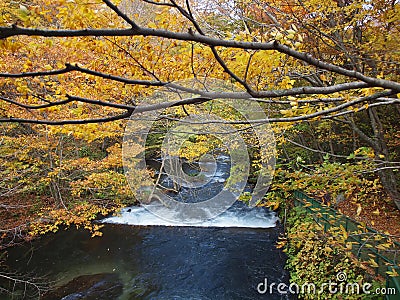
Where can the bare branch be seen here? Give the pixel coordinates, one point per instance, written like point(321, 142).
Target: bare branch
point(189, 16)
point(394, 101)
point(210, 41)
point(68, 100)
point(39, 287)
point(159, 3)
point(316, 115)
point(65, 122)
point(67, 69)
point(129, 110)
point(134, 59)
point(382, 168)
point(338, 155)
point(307, 90)
point(121, 14)
point(203, 96)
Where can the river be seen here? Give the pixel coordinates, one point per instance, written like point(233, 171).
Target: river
point(223, 258)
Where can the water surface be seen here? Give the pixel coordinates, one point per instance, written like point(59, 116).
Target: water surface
point(159, 262)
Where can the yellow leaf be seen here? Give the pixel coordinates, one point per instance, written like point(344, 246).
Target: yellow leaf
point(383, 246)
point(49, 42)
point(280, 244)
point(152, 25)
point(393, 273)
point(23, 12)
point(358, 209)
point(279, 36)
point(300, 38)
point(373, 263)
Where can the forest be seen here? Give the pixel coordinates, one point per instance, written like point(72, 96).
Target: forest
point(308, 91)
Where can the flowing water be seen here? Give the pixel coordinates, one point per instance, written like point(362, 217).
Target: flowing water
point(158, 262)
point(223, 258)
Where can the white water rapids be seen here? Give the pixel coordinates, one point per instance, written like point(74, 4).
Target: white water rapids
point(215, 173)
point(239, 215)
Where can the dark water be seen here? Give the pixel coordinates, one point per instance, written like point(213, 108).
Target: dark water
point(223, 258)
point(159, 262)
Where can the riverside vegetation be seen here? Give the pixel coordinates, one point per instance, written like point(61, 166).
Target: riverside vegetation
point(326, 75)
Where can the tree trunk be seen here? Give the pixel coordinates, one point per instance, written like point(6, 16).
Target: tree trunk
point(378, 144)
point(389, 182)
point(388, 178)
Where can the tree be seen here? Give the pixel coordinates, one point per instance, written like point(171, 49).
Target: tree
point(303, 60)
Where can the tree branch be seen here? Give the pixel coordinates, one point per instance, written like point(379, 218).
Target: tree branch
point(129, 110)
point(307, 90)
point(206, 40)
point(318, 114)
point(121, 14)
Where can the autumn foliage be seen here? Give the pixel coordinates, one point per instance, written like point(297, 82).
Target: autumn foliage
point(326, 74)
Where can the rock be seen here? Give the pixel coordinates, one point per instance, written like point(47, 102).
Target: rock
point(88, 287)
point(340, 198)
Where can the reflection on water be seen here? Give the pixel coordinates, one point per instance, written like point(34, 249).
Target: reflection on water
point(223, 258)
point(159, 262)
